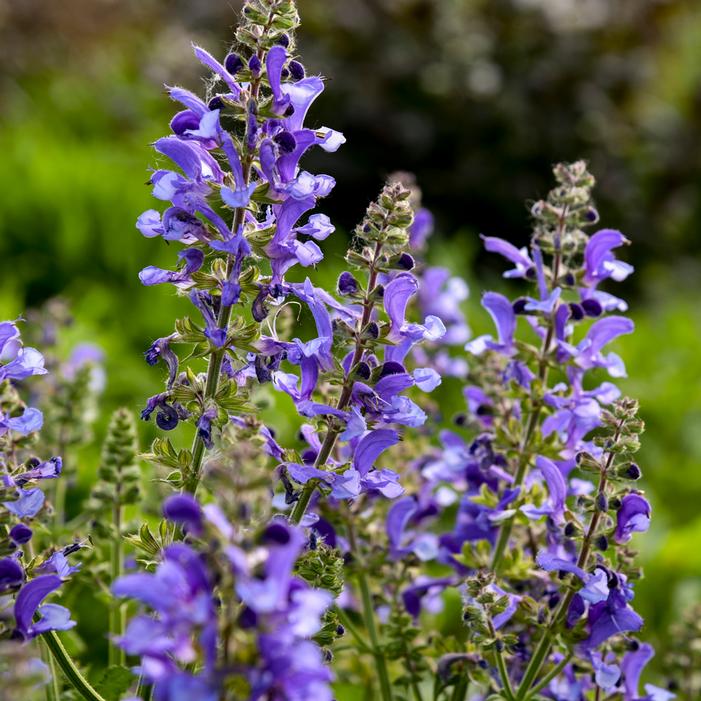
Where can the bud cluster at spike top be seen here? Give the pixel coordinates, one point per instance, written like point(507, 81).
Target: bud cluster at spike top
point(371, 547)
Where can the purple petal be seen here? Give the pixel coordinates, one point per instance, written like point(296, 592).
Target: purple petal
point(11, 573)
point(185, 509)
point(501, 311)
point(29, 598)
point(371, 446)
point(633, 516)
point(396, 298)
point(555, 481)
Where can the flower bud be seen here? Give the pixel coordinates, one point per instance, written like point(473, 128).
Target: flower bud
point(372, 331)
point(602, 543)
point(602, 503)
point(347, 284)
point(591, 307)
point(254, 66)
point(296, 70)
point(633, 472)
point(216, 103)
point(519, 305)
point(233, 63)
point(576, 311)
point(286, 141)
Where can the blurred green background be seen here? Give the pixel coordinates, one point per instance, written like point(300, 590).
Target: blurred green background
point(477, 98)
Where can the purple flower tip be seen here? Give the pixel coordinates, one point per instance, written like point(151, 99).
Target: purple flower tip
point(185, 509)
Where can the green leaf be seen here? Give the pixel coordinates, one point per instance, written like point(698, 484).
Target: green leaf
point(115, 682)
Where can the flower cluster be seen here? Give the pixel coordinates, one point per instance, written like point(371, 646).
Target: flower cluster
point(324, 559)
point(25, 581)
point(243, 612)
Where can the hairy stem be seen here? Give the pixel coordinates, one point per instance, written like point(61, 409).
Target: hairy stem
point(501, 665)
point(552, 674)
point(68, 667)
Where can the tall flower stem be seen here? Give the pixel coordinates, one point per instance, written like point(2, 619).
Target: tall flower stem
point(68, 667)
point(369, 620)
point(543, 649)
point(216, 357)
point(524, 448)
point(117, 611)
point(52, 688)
point(501, 665)
point(460, 689)
point(327, 446)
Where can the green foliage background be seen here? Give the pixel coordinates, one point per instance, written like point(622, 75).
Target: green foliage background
point(477, 98)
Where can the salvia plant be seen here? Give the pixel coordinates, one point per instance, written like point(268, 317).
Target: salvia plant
point(376, 546)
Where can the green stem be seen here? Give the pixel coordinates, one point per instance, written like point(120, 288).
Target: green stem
point(79, 682)
point(60, 504)
point(460, 690)
point(545, 643)
point(327, 446)
point(53, 692)
point(350, 627)
point(117, 611)
point(369, 618)
point(501, 664)
point(552, 674)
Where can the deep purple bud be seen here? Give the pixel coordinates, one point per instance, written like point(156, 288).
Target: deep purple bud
point(234, 63)
point(276, 533)
point(570, 530)
point(296, 70)
point(519, 305)
point(216, 103)
point(283, 40)
point(460, 419)
point(286, 141)
point(254, 66)
point(633, 472)
point(167, 417)
point(340, 630)
point(602, 543)
point(362, 370)
point(185, 509)
point(372, 330)
point(11, 574)
point(184, 120)
point(591, 215)
point(591, 307)
point(20, 534)
point(602, 503)
point(569, 279)
point(258, 308)
point(247, 618)
point(347, 284)
point(378, 292)
point(405, 262)
point(576, 311)
point(391, 368)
